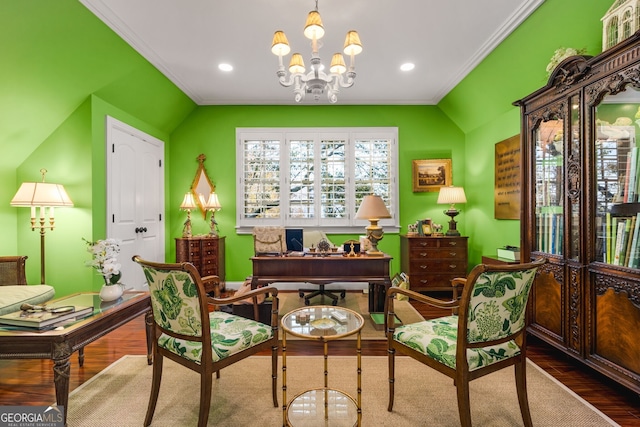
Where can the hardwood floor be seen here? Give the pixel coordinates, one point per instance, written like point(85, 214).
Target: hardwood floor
point(30, 382)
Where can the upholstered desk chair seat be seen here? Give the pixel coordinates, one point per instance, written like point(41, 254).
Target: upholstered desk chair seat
point(190, 331)
point(269, 240)
point(488, 334)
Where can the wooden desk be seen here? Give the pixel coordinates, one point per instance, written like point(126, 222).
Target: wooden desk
point(59, 345)
point(323, 270)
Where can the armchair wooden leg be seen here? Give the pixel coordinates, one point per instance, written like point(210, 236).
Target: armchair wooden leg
point(274, 374)
point(155, 388)
point(464, 409)
point(392, 365)
point(521, 387)
point(205, 398)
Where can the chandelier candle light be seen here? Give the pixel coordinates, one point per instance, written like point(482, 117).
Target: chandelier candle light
point(46, 196)
point(188, 203)
point(316, 81)
point(450, 196)
point(213, 205)
point(373, 209)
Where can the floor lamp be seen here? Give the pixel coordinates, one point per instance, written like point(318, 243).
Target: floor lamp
point(46, 196)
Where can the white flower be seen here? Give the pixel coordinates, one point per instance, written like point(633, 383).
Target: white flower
point(104, 254)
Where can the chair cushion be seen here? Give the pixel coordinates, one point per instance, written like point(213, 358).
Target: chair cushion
point(437, 338)
point(230, 334)
point(13, 296)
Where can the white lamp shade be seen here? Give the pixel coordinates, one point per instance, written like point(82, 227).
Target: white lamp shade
point(451, 195)
point(213, 203)
point(372, 207)
point(41, 194)
point(189, 202)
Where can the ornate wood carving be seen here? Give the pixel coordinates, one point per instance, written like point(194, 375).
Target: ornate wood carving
point(597, 298)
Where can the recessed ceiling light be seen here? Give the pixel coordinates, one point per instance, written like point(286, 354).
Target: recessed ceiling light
point(407, 66)
point(225, 67)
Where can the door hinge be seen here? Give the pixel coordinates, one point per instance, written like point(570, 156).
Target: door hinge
point(113, 218)
point(113, 148)
point(159, 163)
point(159, 217)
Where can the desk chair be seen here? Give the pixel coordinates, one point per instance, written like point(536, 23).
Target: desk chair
point(312, 238)
point(487, 335)
point(269, 240)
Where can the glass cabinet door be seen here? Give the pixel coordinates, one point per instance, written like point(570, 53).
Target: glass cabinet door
point(549, 188)
point(616, 172)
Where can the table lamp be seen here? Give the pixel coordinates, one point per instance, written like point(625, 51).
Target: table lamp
point(373, 209)
point(213, 205)
point(41, 195)
point(188, 203)
point(450, 196)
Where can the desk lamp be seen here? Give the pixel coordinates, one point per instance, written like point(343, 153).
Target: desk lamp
point(373, 209)
point(41, 195)
point(188, 203)
point(452, 195)
point(213, 205)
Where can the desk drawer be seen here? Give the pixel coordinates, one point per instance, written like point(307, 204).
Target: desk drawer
point(439, 253)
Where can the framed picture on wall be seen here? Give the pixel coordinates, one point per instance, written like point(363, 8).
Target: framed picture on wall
point(431, 174)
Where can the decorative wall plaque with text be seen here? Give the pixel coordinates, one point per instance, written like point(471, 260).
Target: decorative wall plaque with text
point(507, 179)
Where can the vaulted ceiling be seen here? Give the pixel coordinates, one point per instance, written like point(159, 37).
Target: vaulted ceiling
point(186, 40)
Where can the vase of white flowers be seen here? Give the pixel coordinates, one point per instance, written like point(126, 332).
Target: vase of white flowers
point(105, 261)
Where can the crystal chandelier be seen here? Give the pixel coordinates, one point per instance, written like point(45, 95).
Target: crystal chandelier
point(316, 81)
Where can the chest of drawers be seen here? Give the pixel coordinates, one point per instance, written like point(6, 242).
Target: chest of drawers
point(431, 262)
point(205, 253)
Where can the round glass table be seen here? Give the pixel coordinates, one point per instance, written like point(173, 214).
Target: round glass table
point(322, 405)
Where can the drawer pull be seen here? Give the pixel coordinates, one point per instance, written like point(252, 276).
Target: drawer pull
point(423, 267)
point(453, 243)
point(452, 266)
point(424, 281)
point(423, 244)
point(453, 254)
point(423, 254)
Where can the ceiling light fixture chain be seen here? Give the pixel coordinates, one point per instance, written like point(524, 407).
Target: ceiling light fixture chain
point(316, 81)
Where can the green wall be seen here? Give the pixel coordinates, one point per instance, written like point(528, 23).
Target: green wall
point(424, 132)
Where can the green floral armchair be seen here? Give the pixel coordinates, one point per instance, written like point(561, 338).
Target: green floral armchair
point(190, 330)
point(487, 331)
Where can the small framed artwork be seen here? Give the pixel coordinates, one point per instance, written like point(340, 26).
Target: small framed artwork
point(427, 227)
point(431, 174)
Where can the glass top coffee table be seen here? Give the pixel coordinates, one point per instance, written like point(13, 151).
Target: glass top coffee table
point(322, 405)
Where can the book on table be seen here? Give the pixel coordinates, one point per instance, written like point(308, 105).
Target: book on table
point(51, 316)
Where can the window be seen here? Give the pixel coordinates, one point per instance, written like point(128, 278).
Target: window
point(315, 177)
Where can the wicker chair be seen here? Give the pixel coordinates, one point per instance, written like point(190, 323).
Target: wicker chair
point(487, 335)
point(14, 290)
point(187, 332)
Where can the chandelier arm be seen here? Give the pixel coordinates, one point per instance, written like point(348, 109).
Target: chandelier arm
point(347, 79)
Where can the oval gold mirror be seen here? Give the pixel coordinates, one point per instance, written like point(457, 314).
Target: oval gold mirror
point(202, 186)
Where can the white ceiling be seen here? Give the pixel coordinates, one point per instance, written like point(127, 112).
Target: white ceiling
point(187, 39)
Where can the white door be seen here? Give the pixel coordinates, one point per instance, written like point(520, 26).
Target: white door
point(135, 198)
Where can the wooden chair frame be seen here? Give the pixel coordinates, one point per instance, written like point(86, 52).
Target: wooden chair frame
point(208, 367)
point(462, 375)
point(12, 270)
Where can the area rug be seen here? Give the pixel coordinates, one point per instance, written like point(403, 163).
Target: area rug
point(118, 395)
point(358, 302)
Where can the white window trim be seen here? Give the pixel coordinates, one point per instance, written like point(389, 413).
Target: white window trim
point(350, 224)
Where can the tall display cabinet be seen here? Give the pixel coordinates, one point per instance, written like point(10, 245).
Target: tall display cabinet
point(580, 209)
